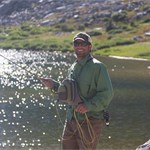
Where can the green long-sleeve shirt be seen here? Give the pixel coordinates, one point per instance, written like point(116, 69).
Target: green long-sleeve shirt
point(94, 85)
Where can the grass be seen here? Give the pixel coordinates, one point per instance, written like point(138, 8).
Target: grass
point(139, 50)
point(30, 36)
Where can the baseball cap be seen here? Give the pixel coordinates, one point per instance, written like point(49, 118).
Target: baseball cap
point(82, 36)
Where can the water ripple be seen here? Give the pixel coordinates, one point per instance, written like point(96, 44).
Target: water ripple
point(28, 113)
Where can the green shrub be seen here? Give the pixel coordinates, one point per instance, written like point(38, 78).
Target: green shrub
point(67, 28)
point(35, 31)
point(64, 27)
point(15, 37)
point(3, 37)
point(81, 27)
point(24, 34)
point(17, 46)
point(125, 42)
point(36, 46)
point(115, 31)
point(110, 25)
point(147, 20)
point(120, 16)
point(26, 28)
point(144, 54)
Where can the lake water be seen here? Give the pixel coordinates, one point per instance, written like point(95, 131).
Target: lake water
point(30, 118)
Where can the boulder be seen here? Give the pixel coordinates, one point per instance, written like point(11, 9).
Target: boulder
point(14, 5)
point(145, 146)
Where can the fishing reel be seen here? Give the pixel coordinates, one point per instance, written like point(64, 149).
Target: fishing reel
point(106, 117)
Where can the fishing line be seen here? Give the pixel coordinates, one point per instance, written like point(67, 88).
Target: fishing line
point(19, 66)
point(28, 71)
point(59, 120)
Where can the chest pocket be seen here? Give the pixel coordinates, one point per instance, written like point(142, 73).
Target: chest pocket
point(84, 82)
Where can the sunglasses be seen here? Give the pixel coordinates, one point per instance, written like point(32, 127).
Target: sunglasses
point(76, 44)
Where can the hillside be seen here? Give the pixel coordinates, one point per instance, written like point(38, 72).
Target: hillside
point(49, 24)
point(89, 12)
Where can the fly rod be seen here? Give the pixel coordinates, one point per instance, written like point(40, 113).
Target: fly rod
point(19, 66)
point(39, 78)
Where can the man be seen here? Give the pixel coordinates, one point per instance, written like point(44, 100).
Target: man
point(84, 121)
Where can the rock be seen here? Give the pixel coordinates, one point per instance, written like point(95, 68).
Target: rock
point(147, 33)
point(46, 22)
point(138, 38)
point(14, 5)
point(145, 146)
point(88, 12)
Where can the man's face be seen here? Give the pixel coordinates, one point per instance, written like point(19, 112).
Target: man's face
point(81, 48)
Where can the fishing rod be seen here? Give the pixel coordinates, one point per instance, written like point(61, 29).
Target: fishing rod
point(19, 66)
point(28, 71)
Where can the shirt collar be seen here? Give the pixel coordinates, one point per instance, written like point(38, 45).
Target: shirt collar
point(85, 60)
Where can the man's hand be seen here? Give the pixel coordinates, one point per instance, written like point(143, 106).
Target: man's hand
point(81, 108)
point(47, 82)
